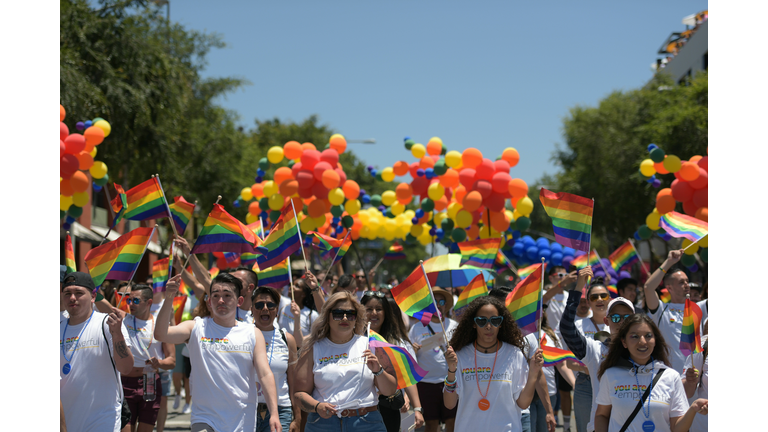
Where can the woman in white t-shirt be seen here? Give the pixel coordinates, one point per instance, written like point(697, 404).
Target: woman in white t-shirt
point(302, 295)
point(487, 369)
point(337, 375)
point(635, 359)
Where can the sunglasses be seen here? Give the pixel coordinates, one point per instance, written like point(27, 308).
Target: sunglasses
point(378, 294)
point(441, 302)
point(360, 277)
point(483, 321)
point(134, 300)
point(339, 314)
point(602, 296)
point(260, 305)
point(617, 318)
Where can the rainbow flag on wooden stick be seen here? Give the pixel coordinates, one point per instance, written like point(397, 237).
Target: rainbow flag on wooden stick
point(414, 297)
point(554, 355)
point(474, 290)
point(690, 338)
point(680, 225)
point(407, 370)
point(524, 301)
point(571, 218)
point(275, 276)
point(160, 274)
point(282, 240)
point(623, 256)
point(69, 255)
point(332, 247)
point(146, 201)
point(582, 261)
point(223, 233)
point(480, 253)
point(118, 259)
point(181, 212)
point(119, 204)
point(525, 272)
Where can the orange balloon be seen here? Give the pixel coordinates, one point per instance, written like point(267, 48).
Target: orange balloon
point(257, 190)
point(330, 179)
point(659, 167)
point(282, 174)
point(701, 214)
point(518, 188)
point(62, 113)
point(665, 191)
point(473, 232)
point(338, 143)
point(426, 162)
point(499, 221)
point(296, 203)
point(405, 201)
point(689, 171)
point(472, 201)
point(450, 178)
point(85, 160)
point(316, 208)
point(459, 194)
point(65, 188)
point(400, 168)
point(308, 146)
point(434, 148)
point(403, 191)
point(289, 188)
point(79, 181)
point(471, 158)
point(441, 204)
point(665, 204)
point(694, 159)
point(94, 135)
point(292, 150)
point(253, 208)
point(351, 189)
point(511, 156)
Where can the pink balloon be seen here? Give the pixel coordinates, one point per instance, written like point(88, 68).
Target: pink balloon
point(484, 187)
point(320, 168)
point(342, 176)
point(485, 170)
point(64, 132)
point(500, 182)
point(501, 166)
point(296, 168)
point(305, 179)
point(467, 177)
point(75, 143)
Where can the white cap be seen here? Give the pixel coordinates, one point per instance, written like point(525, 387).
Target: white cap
point(620, 300)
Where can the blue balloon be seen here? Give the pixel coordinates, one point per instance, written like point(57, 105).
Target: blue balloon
point(439, 233)
point(366, 199)
point(419, 213)
point(374, 172)
point(264, 215)
point(651, 179)
point(637, 236)
point(96, 188)
point(88, 124)
point(652, 147)
point(339, 229)
point(528, 240)
point(567, 260)
point(556, 247)
point(545, 253)
point(259, 179)
point(260, 172)
point(420, 172)
point(516, 235)
point(532, 252)
point(70, 219)
point(66, 226)
point(518, 249)
point(556, 259)
point(568, 251)
point(236, 203)
point(406, 138)
point(429, 172)
point(336, 220)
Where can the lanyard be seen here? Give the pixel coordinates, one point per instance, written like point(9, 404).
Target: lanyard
point(151, 335)
point(272, 345)
point(63, 338)
point(483, 397)
point(637, 381)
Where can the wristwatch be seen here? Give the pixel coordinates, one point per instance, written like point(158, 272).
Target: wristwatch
point(381, 371)
point(418, 409)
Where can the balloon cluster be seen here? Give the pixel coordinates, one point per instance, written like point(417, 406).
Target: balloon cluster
point(77, 165)
point(690, 188)
point(527, 251)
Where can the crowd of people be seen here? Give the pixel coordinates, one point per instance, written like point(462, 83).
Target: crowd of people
point(255, 358)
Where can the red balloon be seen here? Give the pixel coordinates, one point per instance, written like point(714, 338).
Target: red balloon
point(485, 170)
point(305, 179)
point(681, 190)
point(295, 169)
point(69, 165)
point(467, 177)
point(500, 182)
point(330, 156)
point(495, 202)
point(701, 197)
point(704, 163)
point(419, 186)
point(319, 191)
point(320, 168)
point(64, 132)
point(305, 193)
point(342, 176)
point(701, 181)
point(413, 168)
point(309, 158)
point(501, 166)
point(484, 187)
point(690, 208)
point(62, 149)
point(75, 143)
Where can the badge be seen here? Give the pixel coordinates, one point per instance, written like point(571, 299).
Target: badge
point(66, 368)
point(484, 405)
point(648, 426)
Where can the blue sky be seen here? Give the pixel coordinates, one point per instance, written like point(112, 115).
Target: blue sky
point(489, 75)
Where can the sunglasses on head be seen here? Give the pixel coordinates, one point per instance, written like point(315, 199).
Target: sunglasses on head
point(602, 296)
point(339, 314)
point(378, 294)
point(483, 321)
point(134, 300)
point(617, 318)
point(260, 305)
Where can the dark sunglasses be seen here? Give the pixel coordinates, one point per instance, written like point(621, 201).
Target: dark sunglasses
point(260, 305)
point(134, 300)
point(441, 302)
point(602, 296)
point(378, 294)
point(339, 314)
point(617, 318)
point(483, 321)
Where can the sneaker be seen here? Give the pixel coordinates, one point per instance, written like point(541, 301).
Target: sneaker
point(176, 402)
point(187, 409)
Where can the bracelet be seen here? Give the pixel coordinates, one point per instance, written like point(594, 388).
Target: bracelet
point(662, 270)
point(450, 383)
point(381, 371)
point(316, 408)
point(452, 371)
point(449, 389)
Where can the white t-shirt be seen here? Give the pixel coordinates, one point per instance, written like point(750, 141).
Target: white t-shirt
point(341, 376)
point(244, 316)
point(509, 378)
point(432, 360)
point(308, 317)
point(155, 308)
point(91, 393)
point(703, 305)
point(277, 355)
point(223, 378)
point(284, 302)
point(596, 353)
point(587, 327)
point(669, 318)
point(700, 423)
point(555, 309)
point(618, 388)
point(142, 337)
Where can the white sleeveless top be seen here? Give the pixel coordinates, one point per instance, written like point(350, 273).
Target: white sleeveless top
point(341, 375)
point(142, 337)
point(277, 355)
point(223, 377)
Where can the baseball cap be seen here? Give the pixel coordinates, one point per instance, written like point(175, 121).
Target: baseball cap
point(620, 300)
point(62, 272)
point(79, 279)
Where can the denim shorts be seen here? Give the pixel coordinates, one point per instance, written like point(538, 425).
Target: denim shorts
point(371, 422)
point(284, 412)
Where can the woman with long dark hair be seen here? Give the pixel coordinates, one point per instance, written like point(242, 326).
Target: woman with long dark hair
point(487, 369)
point(388, 324)
point(638, 359)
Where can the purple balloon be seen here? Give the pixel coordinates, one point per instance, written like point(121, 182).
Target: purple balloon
point(567, 260)
point(80, 126)
point(600, 273)
point(370, 168)
point(694, 268)
point(624, 275)
point(579, 253)
point(656, 183)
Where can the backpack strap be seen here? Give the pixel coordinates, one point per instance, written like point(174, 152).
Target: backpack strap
point(642, 401)
point(282, 334)
point(661, 316)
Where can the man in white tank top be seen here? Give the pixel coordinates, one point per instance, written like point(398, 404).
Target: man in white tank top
point(227, 356)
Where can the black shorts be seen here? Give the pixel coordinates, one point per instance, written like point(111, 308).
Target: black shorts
point(187, 366)
point(431, 397)
point(561, 383)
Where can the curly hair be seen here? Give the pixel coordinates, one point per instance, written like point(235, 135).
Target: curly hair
point(466, 334)
point(616, 351)
point(321, 329)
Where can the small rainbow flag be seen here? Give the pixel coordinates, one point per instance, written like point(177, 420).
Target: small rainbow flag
point(553, 355)
point(475, 289)
point(118, 259)
point(690, 338)
point(181, 212)
point(275, 276)
point(231, 257)
point(333, 247)
point(395, 252)
point(407, 370)
point(184, 288)
point(69, 255)
point(501, 262)
point(122, 303)
point(146, 201)
point(213, 271)
point(119, 204)
point(623, 256)
point(223, 233)
point(524, 301)
point(160, 274)
point(666, 297)
point(258, 229)
point(571, 218)
point(582, 261)
point(248, 259)
point(283, 240)
point(480, 253)
point(613, 291)
point(178, 307)
point(525, 272)
point(414, 297)
point(680, 225)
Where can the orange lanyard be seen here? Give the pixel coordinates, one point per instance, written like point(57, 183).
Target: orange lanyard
point(484, 404)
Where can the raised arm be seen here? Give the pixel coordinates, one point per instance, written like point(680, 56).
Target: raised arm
point(266, 378)
point(201, 273)
point(164, 332)
point(317, 292)
point(575, 341)
point(120, 351)
point(651, 298)
point(297, 333)
point(559, 286)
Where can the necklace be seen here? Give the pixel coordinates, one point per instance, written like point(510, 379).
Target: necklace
point(484, 404)
point(67, 366)
point(486, 348)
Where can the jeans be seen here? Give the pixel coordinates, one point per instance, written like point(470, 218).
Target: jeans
point(525, 418)
point(371, 422)
point(582, 401)
point(539, 414)
point(285, 414)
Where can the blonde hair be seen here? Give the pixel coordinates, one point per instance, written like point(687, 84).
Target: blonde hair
point(321, 328)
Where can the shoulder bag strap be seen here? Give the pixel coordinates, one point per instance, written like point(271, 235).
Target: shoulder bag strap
point(282, 334)
point(111, 360)
point(661, 317)
point(642, 401)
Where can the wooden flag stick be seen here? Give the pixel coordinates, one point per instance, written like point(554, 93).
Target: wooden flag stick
point(600, 261)
point(298, 230)
point(541, 300)
point(167, 208)
point(697, 240)
point(290, 279)
point(193, 246)
point(378, 264)
point(432, 294)
point(639, 258)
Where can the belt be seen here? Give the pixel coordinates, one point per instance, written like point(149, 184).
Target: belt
point(358, 412)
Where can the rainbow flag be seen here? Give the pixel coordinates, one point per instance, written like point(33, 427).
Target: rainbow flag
point(275, 276)
point(213, 271)
point(613, 291)
point(122, 303)
point(525, 272)
point(146, 201)
point(624, 256)
point(282, 241)
point(118, 259)
point(69, 255)
point(257, 229)
point(407, 370)
point(501, 262)
point(223, 233)
point(181, 213)
point(184, 288)
point(475, 289)
point(665, 297)
point(524, 302)
point(119, 204)
point(178, 307)
point(554, 355)
point(414, 297)
point(582, 261)
point(680, 225)
point(231, 257)
point(690, 338)
point(395, 252)
point(160, 274)
point(480, 253)
point(248, 259)
point(571, 218)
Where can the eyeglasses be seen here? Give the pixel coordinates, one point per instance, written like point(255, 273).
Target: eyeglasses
point(378, 294)
point(562, 275)
point(617, 318)
point(602, 296)
point(260, 305)
point(483, 321)
point(339, 314)
point(134, 300)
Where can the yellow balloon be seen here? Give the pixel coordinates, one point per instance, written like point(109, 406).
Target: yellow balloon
point(390, 225)
point(250, 218)
point(246, 194)
point(410, 214)
point(306, 225)
point(524, 206)
point(98, 169)
point(336, 196)
point(652, 220)
point(463, 219)
point(364, 217)
point(352, 207)
point(387, 174)
point(105, 126)
point(275, 154)
point(439, 218)
point(93, 152)
point(374, 223)
point(397, 209)
point(416, 230)
point(435, 191)
point(65, 202)
point(270, 188)
point(646, 168)
point(453, 208)
point(516, 215)
point(276, 202)
point(692, 250)
point(704, 242)
point(418, 151)
point(388, 198)
point(509, 215)
point(672, 163)
point(80, 199)
point(453, 159)
point(686, 243)
point(319, 221)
